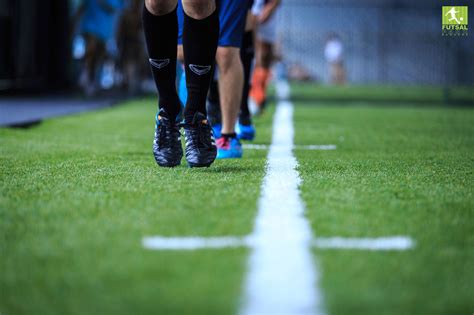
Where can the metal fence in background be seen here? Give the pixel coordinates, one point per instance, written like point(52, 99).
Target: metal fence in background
point(385, 41)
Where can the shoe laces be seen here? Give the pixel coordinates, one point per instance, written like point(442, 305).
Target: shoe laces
point(200, 135)
point(166, 133)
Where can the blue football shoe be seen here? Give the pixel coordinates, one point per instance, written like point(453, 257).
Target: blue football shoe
point(217, 129)
point(245, 132)
point(229, 148)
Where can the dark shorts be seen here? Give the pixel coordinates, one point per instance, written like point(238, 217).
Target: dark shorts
point(232, 14)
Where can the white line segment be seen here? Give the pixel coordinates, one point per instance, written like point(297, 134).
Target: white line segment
point(193, 243)
point(379, 243)
point(282, 278)
point(317, 147)
point(387, 243)
point(320, 147)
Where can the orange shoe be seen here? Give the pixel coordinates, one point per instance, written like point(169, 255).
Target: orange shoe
point(258, 91)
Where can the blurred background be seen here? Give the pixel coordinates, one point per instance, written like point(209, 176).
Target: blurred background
point(57, 45)
point(384, 41)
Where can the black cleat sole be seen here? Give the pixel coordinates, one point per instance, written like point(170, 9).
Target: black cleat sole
point(173, 164)
point(195, 165)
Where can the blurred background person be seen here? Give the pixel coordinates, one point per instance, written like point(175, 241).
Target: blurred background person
point(245, 127)
point(130, 46)
point(96, 19)
point(333, 53)
point(264, 45)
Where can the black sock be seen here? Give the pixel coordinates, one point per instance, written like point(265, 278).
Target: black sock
point(161, 35)
point(229, 135)
point(213, 95)
point(199, 47)
point(247, 54)
point(213, 105)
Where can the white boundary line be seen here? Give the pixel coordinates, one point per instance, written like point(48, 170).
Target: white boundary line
point(320, 147)
point(388, 243)
point(398, 243)
point(193, 243)
point(251, 146)
point(317, 147)
point(281, 278)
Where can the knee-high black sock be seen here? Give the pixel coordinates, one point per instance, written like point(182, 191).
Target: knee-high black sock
point(213, 105)
point(247, 54)
point(161, 35)
point(199, 47)
point(213, 95)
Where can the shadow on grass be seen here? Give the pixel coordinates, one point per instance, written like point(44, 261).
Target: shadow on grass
point(227, 168)
point(234, 166)
point(25, 125)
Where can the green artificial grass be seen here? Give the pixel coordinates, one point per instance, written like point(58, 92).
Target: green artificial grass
point(380, 94)
point(79, 193)
point(396, 171)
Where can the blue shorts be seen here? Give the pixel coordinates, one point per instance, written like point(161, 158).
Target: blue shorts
point(232, 15)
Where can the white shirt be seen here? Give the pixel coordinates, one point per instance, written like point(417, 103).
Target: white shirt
point(257, 7)
point(333, 51)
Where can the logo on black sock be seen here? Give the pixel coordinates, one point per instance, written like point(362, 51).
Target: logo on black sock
point(159, 63)
point(199, 70)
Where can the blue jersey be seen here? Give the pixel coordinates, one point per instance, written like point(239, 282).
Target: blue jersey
point(232, 14)
point(99, 17)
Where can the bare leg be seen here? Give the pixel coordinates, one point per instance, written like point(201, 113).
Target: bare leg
point(180, 53)
point(199, 9)
point(94, 56)
point(160, 7)
point(231, 78)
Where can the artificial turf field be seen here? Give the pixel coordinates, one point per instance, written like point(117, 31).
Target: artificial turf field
point(78, 194)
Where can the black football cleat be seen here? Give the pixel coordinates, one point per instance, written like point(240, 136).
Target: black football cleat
point(167, 143)
point(201, 148)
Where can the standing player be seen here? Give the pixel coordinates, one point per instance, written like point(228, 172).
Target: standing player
point(265, 45)
point(245, 130)
point(130, 46)
point(200, 36)
point(232, 18)
point(97, 22)
point(334, 52)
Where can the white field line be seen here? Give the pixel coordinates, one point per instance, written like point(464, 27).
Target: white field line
point(256, 146)
point(388, 243)
point(320, 147)
point(282, 277)
point(316, 147)
point(192, 243)
point(379, 243)
point(283, 90)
